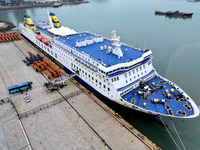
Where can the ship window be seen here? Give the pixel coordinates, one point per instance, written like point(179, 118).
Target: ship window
point(129, 73)
point(126, 81)
point(117, 78)
point(144, 66)
point(104, 86)
point(130, 79)
point(86, 73)
point(92, 78)
point(140, 68)
point(133, 71)
point(96, 80)
point(137, 69)
point(108, 89)
point(134, 77)
point(99, 83)
point(138, 75)
point(145, 71)
point(52, 52)
point(125, 75)
point(149, 62)
point(112, 79)
point(142, 73)
point(89, 76)
point(55, 55)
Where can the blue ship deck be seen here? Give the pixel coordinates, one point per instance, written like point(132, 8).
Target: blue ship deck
point(174, 104)
point(94, 51)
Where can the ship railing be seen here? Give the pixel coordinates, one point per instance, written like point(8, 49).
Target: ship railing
point(126, 69)
point(73, 52)
point(124, 44)
point(46, 36)
point(188, 98)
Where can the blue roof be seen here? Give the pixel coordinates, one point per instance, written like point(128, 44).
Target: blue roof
point(94, 49)
point(173, 104)
point(18, 85)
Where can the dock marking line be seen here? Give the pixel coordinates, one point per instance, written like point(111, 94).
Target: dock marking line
point(87, 128)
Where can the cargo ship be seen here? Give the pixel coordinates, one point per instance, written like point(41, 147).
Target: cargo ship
point(120, 72)
point(174, 14)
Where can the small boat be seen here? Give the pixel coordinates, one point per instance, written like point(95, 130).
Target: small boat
point(174, 14)
point(57, 4)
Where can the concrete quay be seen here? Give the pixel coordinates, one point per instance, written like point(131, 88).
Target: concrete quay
point(70, 118)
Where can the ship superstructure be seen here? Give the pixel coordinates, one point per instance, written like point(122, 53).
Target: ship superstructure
point(119, 72)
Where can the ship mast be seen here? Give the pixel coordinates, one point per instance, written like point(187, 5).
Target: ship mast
point(116, 43)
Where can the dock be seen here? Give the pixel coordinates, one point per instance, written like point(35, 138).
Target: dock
point(68, 118)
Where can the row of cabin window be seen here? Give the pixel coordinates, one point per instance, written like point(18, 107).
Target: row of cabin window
point(120, 69)
point(87, 59)
point(104, 86)
point(48, 49)
point(115, 79)
point(45, 47)
point(135, 76)
point(77, 67)
point(80, 56)
point(137, 70)
point(63, 54)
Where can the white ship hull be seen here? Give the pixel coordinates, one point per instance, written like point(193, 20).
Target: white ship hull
point(67, 62)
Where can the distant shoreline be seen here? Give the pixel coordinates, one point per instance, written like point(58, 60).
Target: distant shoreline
point(39, 5)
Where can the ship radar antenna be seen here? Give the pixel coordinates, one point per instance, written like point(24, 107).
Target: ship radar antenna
point(115, 38)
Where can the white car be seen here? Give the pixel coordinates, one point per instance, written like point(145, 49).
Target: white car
point(27, 98)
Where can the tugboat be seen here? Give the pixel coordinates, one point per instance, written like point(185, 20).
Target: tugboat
point(174, 14)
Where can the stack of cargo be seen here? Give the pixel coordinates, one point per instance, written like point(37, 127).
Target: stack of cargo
point(7, 37)
point(42, 65)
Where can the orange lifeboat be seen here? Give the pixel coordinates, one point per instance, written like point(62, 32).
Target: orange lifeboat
point(44, 41)
point(39, 37)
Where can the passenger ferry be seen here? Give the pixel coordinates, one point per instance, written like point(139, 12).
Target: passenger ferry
point(119, 72)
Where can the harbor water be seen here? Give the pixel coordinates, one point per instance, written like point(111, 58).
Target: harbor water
point(175, 43)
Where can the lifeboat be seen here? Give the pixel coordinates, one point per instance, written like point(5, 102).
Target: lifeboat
point(44, 41)
point(39, 37)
